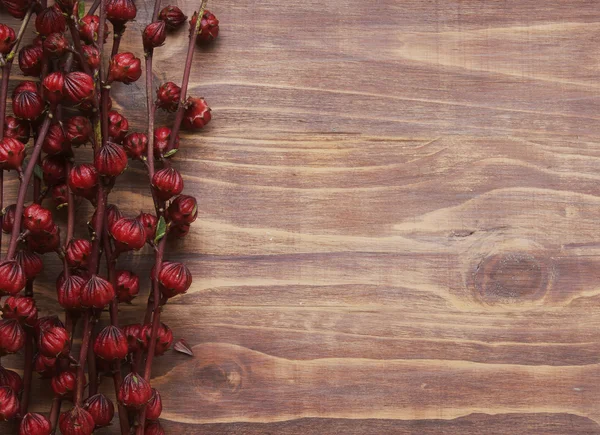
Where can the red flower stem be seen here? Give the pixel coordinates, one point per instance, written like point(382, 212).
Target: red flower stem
point(37, 149)
point(94, 7)
point(186, 77)
point(91, 361)
point(54, 412)
point(83, 353)
point(27, 370)
point(77, 44)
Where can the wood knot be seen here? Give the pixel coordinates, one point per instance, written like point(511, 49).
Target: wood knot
point(509, 278)
point(223, 378)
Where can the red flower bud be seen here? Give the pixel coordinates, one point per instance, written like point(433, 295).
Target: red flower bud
point(88, 29)
point(52, 87)
point(55, 45)
point(78, 130)
point(111, 344)
point(37, 218)
point(76, 421)
point(167, 182)
point(91, 56)
point(16, 129)
point(30, 262)
point(128, 234)
point(154, 406)
point(125, 68)
point(172, 16)
point(209, 27)
point(119, 12)
point(35, 424)
point(16, 8)
point(135, 145)
point(97, 292)
point(27, 105)
point(179, 231)
point(174, 279)
point(135, 391)
point(27, 85)
point(11, 379)
point(64, 384)
point(47, 241)
point(69, 292)
point(7, 39)
point(9, 404)
point(113, 214)
point(149, 222)
point(167, 96)
point(30, 60)
point(54, 341)
point(154, 35)
point(118, 126)
point(20, 308)
point(110, 160)
point(8, 218)
point(47, 322)
point(55, 141)
point(12, 336)
point(101, 409)
point(12, 277)
point(162, 136)
point(79, 87)
point(77, 252)
point(183, 210)
point(44, 366)
point(197, 114)
point(83, 180)
point(128, 285)
point(164, 338)
point(154, 428)
point(50, 20)
point(54, 170)
point(132, 332)
point(12, 153)
point(60, 194)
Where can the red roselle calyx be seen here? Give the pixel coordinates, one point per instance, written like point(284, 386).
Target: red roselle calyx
point(16, 8)
point(119, 12)
point(164, 338)
point(30, 60)
point(12, 336)
point(91, 56)
point(118, 126)
point(135, 391)
point(78, 130)
point(77, 252)
point(50, 20)
point(53, 169)
point(52, 87)
point(183, 210)
point(97, 292)
point(162, 136)
point(128, 286)
point(111, 344)
point(9, 403)
point(209, 27)
point(30, 262)
point(167, 96)
point(128, 234)
point(110, 160)
point(53, 341)
point(173, 17)
point(88, 29)
point(16, 129)
point(149, 222)
point(44, 242)
point(55, 141)
point(55, 45)
point(174, 279)
point(35, 424)
point(11, 379)
point(44, 366)
point(101, 409)
point(79, 87)
point(22, 309)
point(12, 277)
point(83, 180)
point(167, 182)
point(154, 35)
point(154, 428)
point(12, 153)
point(197, 114)
point(69, 292)
point(60, 194)
point(64, 383)
point(124, 68)
point(76, 421)
point(133, 334)
point(37, 219)
point(7, 39)
point(154, 406)
point(135, 145)
point(27, 105)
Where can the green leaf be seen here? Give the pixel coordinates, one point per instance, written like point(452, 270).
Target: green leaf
point(81, 9)
point(37, 170)
point(170, 153)
point(161, 230)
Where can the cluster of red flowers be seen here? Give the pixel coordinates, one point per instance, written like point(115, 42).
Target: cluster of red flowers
point(69, 106)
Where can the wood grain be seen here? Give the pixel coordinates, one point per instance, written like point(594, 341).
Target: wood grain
point(399, 220)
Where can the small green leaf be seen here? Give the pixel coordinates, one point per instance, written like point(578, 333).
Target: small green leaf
point(161, 230)
point(37, 170)
point(170, 153)
point(64, 204)
point(81, 9)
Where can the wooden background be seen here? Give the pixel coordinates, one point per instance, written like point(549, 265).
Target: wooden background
point(399, 227)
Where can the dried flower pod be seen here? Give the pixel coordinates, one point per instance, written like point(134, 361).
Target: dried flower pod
point(91, 56)
point(167, 182)
point(55, 141)
point(68, 292)
point(12, 336)
point(64, 384)
point(110, 160)
point(162, 136)
point(79, 87)
point(125, 68)
point(119, 12)
point(128, 234)
point(172, 16)
point(27, 105)
point(30, 60)
point(97, 292)
point(30, 262)
point(12, 277)
point(12, 153)
point(154, 428)
point(54, 170)
point(9, 378)
point(37, 218)
point(35, 424)
point(22, 309)
point(55, 45)
point(50, 20)
point(133, 334)
point(101, 409)
point(149, 222)
point(209, 27)
point(174, 279)
point(135, 145)
point(9, 404)
point(53, 341)
point(78, 252)
point(78, 130)
point(154, 406)
point(128, 285)
point(167, 96)
point(16, 8)
point(111, 344)
point(197, 114)
point(7, 39)
point(164, 338)
point(83, 180)
point(52, 87)
point(76, 421)
point(60, 194)
point(17, 129)
point(118, 126)
point(183, 210)
point(154, 35)
point(135, 391)
point(47, 241)
point(44, 366)
point(88, 29)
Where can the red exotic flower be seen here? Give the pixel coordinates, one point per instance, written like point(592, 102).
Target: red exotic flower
point(174, 279)
point(149, 222)
point(30, 262)
point(197, 114)
point(135, 391)
point(11, 379)
point(164, 338)
point(7, 39)
point(12, 153)
point(53, 341)
point(119, 12)
point(12, 336)
point(27, 105)
point(111, 344)
point(167, 182)
point(162, 135)
point(50, 20)
point(78, 130)
point(79, 87)
point(125, 68)
point(97, 292)
point(154, 406)
point(68, 292)
point(128, 285)
point(135, 145)
point(64, 384)
point(167, 96)
point(77, 421)
point(172, 16)
point(133, 334)
point(30, 60)
point(35, 424)
point(118, 126)
point(154, 35)
point(209, 27)
point(20, 308)
point(88, 29)
point(9, 403)
point(101, 409)
point(83, 180)
point(55, 141)
point(128, 234)
point(12, 277)
point(16, 129)
point(183, 210)
point(110, 160)
point(78, 252)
